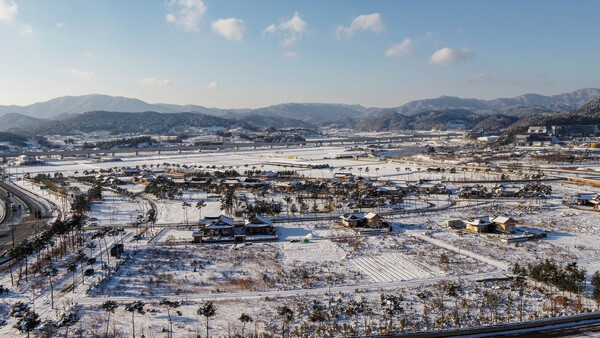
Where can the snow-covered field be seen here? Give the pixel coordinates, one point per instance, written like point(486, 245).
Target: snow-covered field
point(331, 270)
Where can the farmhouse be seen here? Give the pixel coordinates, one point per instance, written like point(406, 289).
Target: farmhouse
point(454, 223)
point(257, 225)
point(503, 190)
point(504, 224)
point(587, 199)
point(478, 225)
point(217, 226)
point(361, 220)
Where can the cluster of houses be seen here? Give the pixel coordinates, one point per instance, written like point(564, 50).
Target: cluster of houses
point(539, 135)
point(484, 224)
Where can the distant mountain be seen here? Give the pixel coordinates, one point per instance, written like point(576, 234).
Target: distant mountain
point(389, 120)
point(127, 115)
point(495, 123)
point(272, 121)
point(151, 123)
point(69, 105)
point(311, 112)
point(587, 114)
point(307, 111)
point(18, 121)
point(518, 106)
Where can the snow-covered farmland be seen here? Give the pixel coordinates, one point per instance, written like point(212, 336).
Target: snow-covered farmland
point(332, 271)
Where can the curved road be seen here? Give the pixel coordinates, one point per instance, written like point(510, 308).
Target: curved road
point(23, 220)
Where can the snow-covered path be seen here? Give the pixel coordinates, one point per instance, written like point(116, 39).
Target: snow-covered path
point(500, 265)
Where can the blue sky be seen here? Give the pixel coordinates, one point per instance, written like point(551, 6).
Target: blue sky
point(248, 54)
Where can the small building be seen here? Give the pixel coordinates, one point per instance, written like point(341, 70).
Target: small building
point(117, 250)
point(345, 177)
point(352, 220)
point(217, 226)
point(198, 236)
point(454, 223)
point(26, 159)
point(373, 220)
point(504, 224)
point(369, 220)
point(587, 199)
point(478, 225)
point(257, 225)
point(503, 190)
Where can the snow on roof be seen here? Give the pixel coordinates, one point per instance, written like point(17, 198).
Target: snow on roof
point(219, 226)
point(354, 215)
point(258, 221)
point(370, 215)
point(501, 219)
point(479, 221)
point(217, 220)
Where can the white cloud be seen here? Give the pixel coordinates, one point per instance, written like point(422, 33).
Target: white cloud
point(186, 14)
point(8, 10)
point(365, 22)
point(26, 30)
point(152, 82)
point(450, 57)
point(80, 74)
point(290, 55)
point(230, 29)
point(212, 85)
point(291, 30)
point(479, 78)
point(400, 49)
point(60, 24)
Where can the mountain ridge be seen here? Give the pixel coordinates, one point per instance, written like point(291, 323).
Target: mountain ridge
point(309, 112)
point(440, 114)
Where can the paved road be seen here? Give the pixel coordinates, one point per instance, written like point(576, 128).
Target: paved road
point(25, 224)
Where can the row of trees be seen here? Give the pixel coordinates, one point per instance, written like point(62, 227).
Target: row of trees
point(208, 310)
point(569, 278)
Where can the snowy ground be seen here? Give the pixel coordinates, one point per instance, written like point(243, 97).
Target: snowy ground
point(258, 278)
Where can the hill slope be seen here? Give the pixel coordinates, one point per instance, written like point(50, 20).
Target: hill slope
point(18, 121)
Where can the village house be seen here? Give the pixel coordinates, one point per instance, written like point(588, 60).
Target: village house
point(26, 160)
point(454, 223)
point(268, 175)
point(217, 226)
point(472, 192)
point(478, 225)
point(587, 199)
point(429, 187)
point(503, 190)
point(504, 224)
point(346, 177)
point(258, 225)
point(361, 220)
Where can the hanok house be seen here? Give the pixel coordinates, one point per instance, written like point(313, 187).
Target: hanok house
point(504, 224)
point(217, 226)
point(257, 225)
point(478, 225)
point(362, 220)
